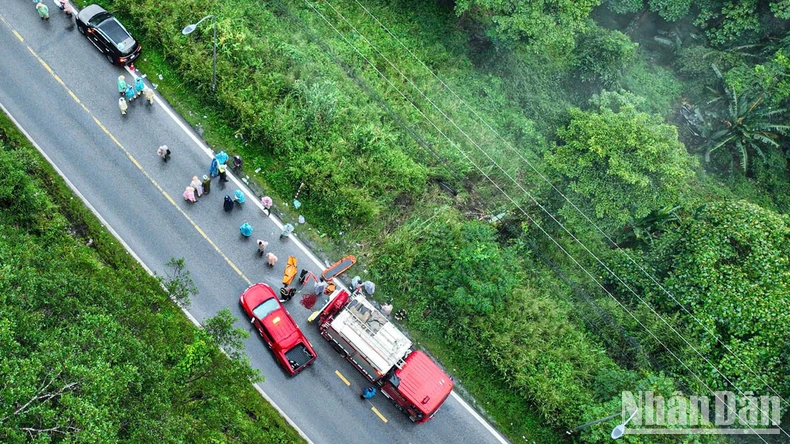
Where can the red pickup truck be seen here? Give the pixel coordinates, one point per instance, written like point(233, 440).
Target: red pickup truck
point(276, 326)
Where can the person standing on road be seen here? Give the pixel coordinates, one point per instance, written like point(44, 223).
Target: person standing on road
point(222, 169)
point(149, 95)
point(368, 393)
point(287, 293)
point(122, 85)
point(163, 152)
point(139, 86)
point(123, 106)
point(320, 286)
point(42, 10)
point(267, 202)
point(197, 185)
point(189, 194)
point(262, 244)
point(129, 93)
point(271, 259)
point(288, 229)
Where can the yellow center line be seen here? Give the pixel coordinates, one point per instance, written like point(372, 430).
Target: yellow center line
point(342, 378)
point(45, 64)
point(137, 164)
point(379, 414)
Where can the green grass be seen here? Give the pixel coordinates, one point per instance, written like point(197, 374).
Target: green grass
point(497, 402)
point(198, 111)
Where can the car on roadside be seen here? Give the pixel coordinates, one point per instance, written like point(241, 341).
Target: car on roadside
point(108, 35)
point(277, 328)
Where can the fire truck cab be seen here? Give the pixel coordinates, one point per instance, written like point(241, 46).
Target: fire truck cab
point(384, 355)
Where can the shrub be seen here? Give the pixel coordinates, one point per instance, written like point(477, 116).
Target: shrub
point(623, 162)
point(601, 55)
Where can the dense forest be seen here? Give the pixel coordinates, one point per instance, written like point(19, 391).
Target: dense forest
point(571, 198)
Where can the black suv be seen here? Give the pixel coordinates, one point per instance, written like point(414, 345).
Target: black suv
point(108, 35)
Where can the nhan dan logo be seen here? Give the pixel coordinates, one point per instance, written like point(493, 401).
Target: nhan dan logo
point(724, 413)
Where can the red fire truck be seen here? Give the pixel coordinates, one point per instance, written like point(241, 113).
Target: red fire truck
point(384, 355)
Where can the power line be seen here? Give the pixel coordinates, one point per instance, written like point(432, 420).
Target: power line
point(591, 322)
point(584, 215)
point(523, 211)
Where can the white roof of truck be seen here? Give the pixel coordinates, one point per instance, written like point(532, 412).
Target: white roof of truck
point(371, 333)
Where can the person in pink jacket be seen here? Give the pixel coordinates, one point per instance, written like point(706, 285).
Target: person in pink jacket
point(271, 259)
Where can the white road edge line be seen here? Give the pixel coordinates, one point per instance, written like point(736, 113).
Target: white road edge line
point(479, 418)
point(135, 256)
point(210, 154)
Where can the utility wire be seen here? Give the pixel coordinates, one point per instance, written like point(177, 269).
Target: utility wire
point(630, 258)
point(602, 314)
point(528, 216)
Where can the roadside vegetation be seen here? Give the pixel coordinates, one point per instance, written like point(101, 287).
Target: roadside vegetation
point(92, 347)
point(645, 139)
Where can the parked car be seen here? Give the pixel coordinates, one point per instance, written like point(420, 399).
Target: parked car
point(276, 326)
point(108, 35)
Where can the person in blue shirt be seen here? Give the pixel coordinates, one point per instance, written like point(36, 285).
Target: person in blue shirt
point(129, 93)
point(139, 85)
point(368, 393)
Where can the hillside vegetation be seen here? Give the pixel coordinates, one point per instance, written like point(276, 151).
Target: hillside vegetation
point(93, 350)
point(570, 198)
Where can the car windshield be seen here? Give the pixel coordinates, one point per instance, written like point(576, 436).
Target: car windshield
point(98, 18)
point(266, 308)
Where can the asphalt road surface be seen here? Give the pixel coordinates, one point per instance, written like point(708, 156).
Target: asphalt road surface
point(61, 91)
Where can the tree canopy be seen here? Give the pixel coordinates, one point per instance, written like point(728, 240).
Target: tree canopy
point(545, 25)
point(728, 265)
point(621, 163)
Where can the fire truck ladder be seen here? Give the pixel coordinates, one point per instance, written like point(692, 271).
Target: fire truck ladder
point(377, 337)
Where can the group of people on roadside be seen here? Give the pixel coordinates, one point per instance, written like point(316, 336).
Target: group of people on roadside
point(197, 188)
point(131, 91)
point(43, 10)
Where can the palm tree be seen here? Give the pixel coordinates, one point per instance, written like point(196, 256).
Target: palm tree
point(745, 128)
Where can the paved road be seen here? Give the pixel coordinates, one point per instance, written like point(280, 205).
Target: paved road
point(61, 91)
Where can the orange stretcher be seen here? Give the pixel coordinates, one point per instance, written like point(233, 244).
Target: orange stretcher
point(290, 271)
point(338, 268)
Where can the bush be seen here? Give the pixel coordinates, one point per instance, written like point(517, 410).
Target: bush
point(659, 86)
point(728, 265)
point(602, 55)
point(622, 164)
point(469, 294)
point(25, 204)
